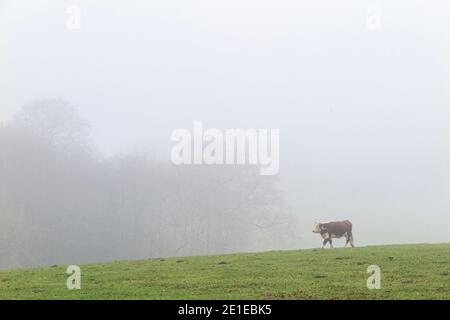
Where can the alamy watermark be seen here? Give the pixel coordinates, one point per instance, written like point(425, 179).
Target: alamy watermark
point(73, 19)
point(74, 280)
point(374, 280)
point(229, 146)
point(374, 14)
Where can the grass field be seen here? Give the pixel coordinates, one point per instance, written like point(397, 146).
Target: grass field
point(408, 272)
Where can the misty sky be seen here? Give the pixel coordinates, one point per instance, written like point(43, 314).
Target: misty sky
point(363, 114)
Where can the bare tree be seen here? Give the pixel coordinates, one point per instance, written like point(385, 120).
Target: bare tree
point(56, 121)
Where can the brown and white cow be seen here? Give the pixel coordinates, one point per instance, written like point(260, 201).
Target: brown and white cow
point(334, 229)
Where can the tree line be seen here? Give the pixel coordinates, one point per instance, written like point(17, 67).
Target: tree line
point(61, 201)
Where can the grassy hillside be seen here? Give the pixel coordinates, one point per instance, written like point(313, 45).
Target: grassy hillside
point(408, 272)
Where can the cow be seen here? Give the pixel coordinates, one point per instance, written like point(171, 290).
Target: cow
point(334, 229)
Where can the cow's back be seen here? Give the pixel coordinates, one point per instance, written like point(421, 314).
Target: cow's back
point(339, 228)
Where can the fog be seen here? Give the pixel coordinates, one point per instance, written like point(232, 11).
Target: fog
point(91, 92)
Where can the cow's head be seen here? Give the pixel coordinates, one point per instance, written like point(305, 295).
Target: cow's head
point(317, 227)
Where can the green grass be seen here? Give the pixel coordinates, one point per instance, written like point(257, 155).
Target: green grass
point(408, 272)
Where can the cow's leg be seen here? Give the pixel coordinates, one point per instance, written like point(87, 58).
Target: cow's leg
point(324, 243)
point(347, 240)
point(331, 242)
point(350, 239)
